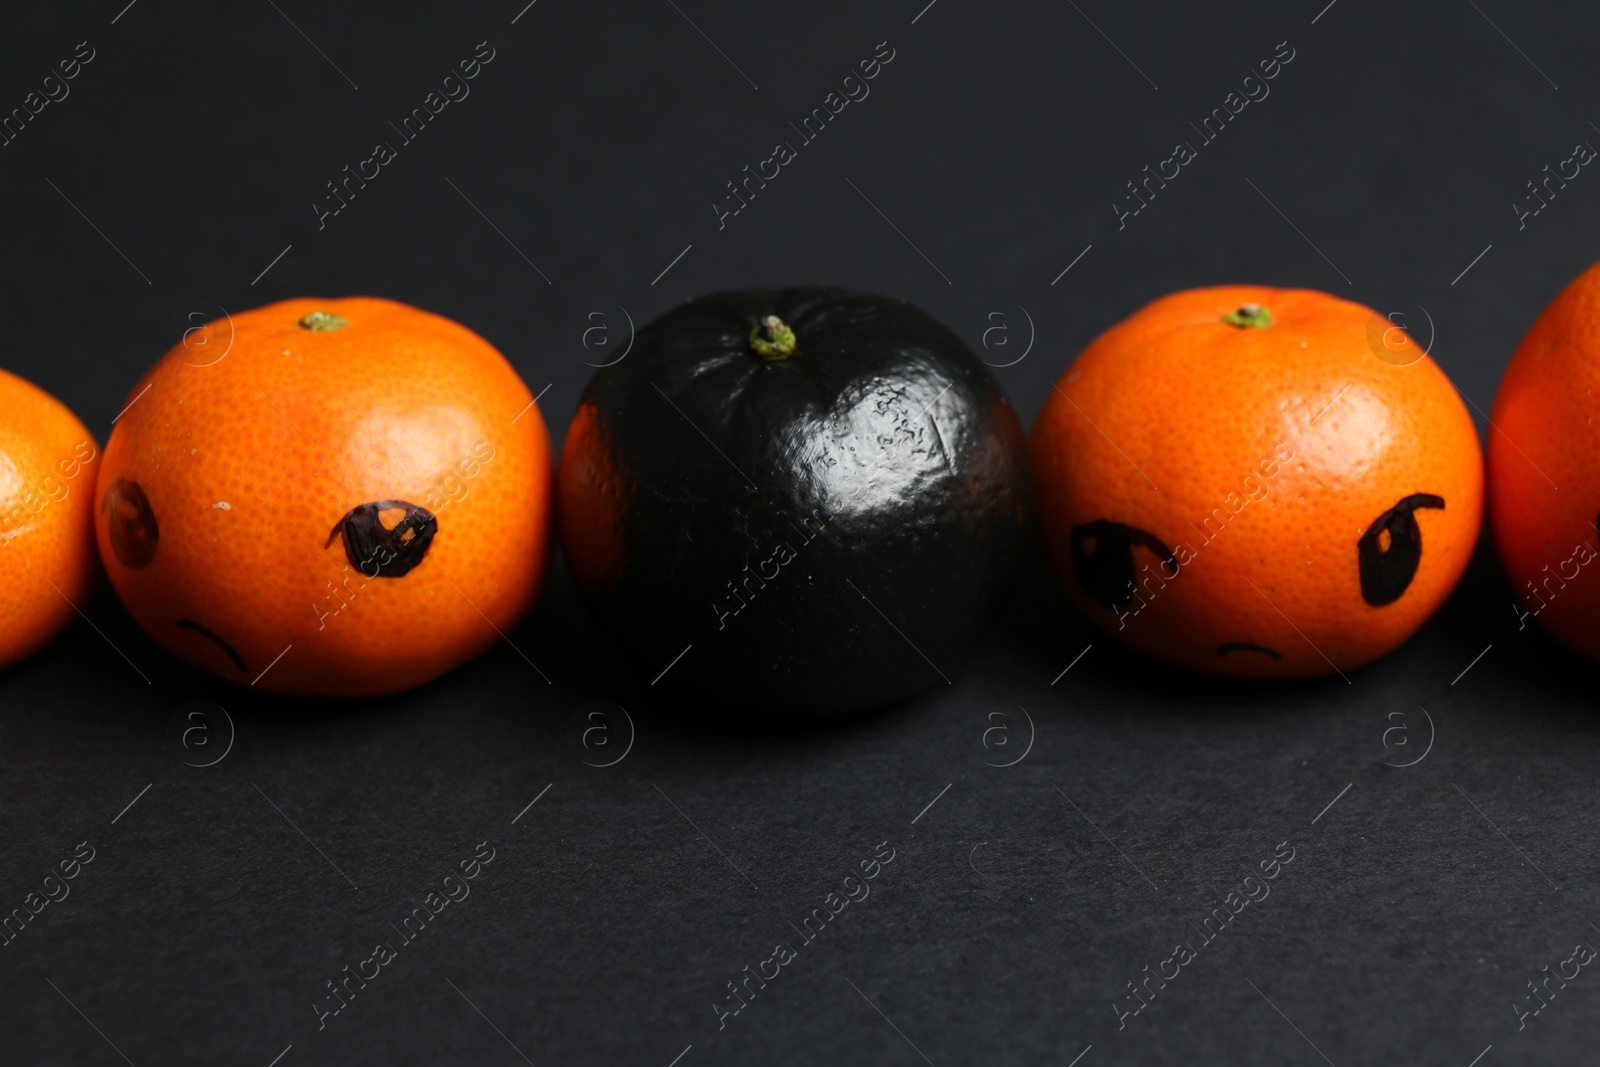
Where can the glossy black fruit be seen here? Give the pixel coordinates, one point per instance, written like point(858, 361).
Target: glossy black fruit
point(806, 500)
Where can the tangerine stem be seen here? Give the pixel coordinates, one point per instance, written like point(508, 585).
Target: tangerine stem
point(323, 321)
point(773, 340)
point(1249, 317)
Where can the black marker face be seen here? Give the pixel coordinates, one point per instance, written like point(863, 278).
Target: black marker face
point(130, 523)
point(1102, 558)
point(1391, 548)
point(238, 660)
point(380, 551)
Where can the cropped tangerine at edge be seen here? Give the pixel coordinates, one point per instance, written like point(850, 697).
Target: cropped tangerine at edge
point(48, 566)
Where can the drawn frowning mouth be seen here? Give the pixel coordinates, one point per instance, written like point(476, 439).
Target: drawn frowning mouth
point(238, 660)
point(1246, 646)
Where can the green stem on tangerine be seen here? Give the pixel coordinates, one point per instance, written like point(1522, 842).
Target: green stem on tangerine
point(773, 340)
point(323, 321)
point(1249, 317)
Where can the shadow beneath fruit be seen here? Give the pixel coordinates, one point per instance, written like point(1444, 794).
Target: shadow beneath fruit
point(1040, 651)
point(168, 682)
point(1042, 633)
point(585, 666)
point(1550, 686)
point(1046, 637)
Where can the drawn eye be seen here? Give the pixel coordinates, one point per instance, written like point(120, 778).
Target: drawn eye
point(390, 551)
point(1102, 558)
point(1391, 549)
point(130, 523)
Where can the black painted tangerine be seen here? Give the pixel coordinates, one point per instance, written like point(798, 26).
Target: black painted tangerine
point(818, 531)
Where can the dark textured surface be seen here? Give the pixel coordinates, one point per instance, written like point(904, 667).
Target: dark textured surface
point(1416, 907)
point(769, 515)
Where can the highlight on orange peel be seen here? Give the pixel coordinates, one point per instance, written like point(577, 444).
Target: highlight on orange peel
point(48, 564)
point(1242, 480)
point(345, 497)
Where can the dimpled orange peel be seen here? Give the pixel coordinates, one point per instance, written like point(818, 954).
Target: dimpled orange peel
point(340, 497)
point(1257, 482)
point(47, 556)
point(1544, 478)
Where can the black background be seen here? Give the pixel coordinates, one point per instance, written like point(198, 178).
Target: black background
point(1417, 907)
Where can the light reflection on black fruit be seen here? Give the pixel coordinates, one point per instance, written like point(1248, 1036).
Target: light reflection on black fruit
point(814, 512)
